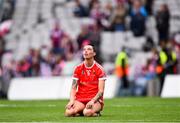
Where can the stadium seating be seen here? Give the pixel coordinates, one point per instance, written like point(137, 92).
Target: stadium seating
point(23, 35)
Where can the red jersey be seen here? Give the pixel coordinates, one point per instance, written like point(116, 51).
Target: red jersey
point(88, 79)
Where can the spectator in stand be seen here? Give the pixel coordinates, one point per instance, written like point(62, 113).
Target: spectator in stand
point(121, 1)
point(91, 3)
point(9, 71)
point(59, 66)
point(107, 13)
point(9, 66)
point(176, 39)
point(118, 18)
point(148, 6)
point(80, 10)
point(57, 35)
point(2, 46)
point(0, 71)
point(68, 46)
point(46, 66)
point(1, 93)
point(34, 59)
point(129, 6)
point(108, 9)
point(140, 81)
point(23, 68)
point(138, 8)
point(1, 54)
point(84, 35)
point(138, 18)
point(35, 67)
point(177, 50)
point(13, 5)
point(7, 10)
point(95, 40)
point(155, 55)
point(97, 14)
point(162, 21)
point(149, 70)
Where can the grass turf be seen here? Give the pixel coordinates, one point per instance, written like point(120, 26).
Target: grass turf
point(115, 110)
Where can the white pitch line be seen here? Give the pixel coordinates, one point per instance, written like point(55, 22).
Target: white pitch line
point(139, 105)
point(15, 106)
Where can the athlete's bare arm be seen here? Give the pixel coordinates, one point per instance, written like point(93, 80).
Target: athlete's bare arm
point(72, 94)
point(101, 90)
point(98, 95)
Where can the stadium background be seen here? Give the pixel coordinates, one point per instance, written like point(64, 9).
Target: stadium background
point(29, 46)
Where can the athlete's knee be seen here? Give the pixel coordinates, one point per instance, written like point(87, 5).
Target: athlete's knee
point(69, 113)
point(88, 112)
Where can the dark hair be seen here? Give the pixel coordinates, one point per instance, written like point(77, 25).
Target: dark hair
point(94, 47)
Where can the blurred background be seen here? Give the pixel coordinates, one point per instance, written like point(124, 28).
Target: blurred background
point(136, 41)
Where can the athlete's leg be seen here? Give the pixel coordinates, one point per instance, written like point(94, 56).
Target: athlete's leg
point(97, 107)
point(75, 109)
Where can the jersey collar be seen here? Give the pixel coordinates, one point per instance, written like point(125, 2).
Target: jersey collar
point(90, 66)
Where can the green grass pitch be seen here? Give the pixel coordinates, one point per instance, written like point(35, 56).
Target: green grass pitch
point(115, 111)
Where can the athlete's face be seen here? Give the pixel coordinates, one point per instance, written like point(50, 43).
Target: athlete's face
point(88, 52)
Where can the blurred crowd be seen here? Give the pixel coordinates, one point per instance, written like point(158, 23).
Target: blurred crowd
point(65, 52)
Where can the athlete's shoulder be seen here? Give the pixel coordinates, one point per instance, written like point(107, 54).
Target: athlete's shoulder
point(79, 66)
point(99, 66)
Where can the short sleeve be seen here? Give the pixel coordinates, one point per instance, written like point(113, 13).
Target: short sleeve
point(76, 74)
point(101, 74)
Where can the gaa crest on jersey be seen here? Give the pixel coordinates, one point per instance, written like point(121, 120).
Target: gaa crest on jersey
point(82, 72)
point(88, 72)
point(94, 72)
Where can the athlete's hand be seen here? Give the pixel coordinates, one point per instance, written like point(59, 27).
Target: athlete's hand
point(90, 104)
point(70, 105)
